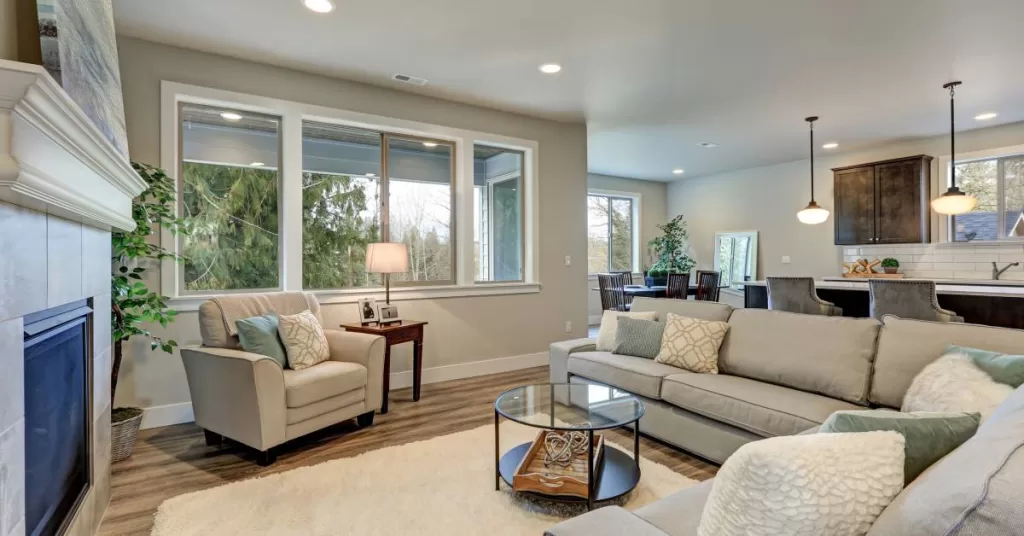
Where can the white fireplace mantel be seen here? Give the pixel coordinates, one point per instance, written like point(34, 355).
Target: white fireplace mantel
point(54, 160)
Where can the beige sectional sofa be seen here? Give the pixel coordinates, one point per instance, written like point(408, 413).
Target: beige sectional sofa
point(782, 374)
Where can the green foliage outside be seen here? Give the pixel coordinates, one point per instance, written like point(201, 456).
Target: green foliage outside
point(670, 249)
point(600, 237)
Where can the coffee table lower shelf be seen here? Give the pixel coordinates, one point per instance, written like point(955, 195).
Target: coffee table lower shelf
point(616, 475)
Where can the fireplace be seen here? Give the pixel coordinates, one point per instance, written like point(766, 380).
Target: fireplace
point(58, 434)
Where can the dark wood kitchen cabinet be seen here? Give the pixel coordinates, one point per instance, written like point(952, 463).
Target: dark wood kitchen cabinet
point(883, 202)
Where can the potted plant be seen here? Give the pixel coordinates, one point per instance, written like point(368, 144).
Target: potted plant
point(133, 307)
point(670, 250)
point(890, 265)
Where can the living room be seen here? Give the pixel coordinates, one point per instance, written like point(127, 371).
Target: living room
point(264, 276)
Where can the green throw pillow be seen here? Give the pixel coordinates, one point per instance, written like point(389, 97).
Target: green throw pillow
point(1004, 368)
point(639, 338)
point(929, 436)
point(259, 336)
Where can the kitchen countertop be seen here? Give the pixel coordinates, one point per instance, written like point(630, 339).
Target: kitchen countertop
point(1014, 289)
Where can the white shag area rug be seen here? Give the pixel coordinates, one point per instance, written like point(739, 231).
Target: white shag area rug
point(441, 486)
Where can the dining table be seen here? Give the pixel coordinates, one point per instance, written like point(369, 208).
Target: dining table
point(656, 291)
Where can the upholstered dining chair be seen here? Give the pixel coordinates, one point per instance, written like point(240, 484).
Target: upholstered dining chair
point(907, 299)
point(678, 286)
point(613, 292)
point(707, 285)
point(797, 295)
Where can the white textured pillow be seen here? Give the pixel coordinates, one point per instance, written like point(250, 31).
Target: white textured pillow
point(304, 340)
point(954, 384)
point(834, 484)
point(610, 324)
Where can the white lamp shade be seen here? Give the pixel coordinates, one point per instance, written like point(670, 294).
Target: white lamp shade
point(951, 204)
point(387, 258)
point(812, 215)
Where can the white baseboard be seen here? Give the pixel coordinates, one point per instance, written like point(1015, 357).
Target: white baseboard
point(158, 416)
point(594, 320)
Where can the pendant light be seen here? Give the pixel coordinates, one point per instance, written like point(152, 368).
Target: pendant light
point(812, 214)
point(953, 201)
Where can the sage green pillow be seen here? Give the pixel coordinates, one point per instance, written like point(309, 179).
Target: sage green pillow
point(1004, 368)
point(638, 338)
point(929, 436)
point(259, 336)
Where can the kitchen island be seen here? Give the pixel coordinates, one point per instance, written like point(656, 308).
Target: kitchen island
point(992, 303)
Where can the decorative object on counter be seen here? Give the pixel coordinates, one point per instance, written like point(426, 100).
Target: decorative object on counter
point(953, 201)
point(671, 249)
point(862, 268)
point(367, 308)
point(890, 265)
point(388, 314)
point(812, 214)
point(914, 299)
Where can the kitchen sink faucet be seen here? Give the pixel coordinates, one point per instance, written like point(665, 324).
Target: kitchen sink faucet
point(996, 271)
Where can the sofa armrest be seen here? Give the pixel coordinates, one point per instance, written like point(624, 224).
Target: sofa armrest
point(558, 357)
point(237, 394)
point(368, 351)
point(607, 521)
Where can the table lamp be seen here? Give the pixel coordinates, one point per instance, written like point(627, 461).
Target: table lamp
point(387, 258)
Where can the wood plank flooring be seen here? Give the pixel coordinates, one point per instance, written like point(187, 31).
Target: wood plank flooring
point(175, 460)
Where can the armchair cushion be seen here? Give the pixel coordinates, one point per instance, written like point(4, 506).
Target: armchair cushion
point(322, 381)
point(259, 336)
point(303, 339)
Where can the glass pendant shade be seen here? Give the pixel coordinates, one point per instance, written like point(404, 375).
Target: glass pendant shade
point(812, 214)
point(954, 202)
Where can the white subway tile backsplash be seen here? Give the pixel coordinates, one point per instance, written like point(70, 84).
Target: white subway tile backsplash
point(931, 257)
point(1011, 257)
point(947, 261)
point(975, 257)
point(972, 275)
point(851, 251)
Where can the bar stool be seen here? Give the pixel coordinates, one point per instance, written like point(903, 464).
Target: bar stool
point(908, 299)
point(797, 295)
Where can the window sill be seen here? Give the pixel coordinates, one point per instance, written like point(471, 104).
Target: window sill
point(325, 297)
point(1010, 242)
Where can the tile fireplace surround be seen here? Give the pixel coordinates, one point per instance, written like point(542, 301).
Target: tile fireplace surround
point(63, 188)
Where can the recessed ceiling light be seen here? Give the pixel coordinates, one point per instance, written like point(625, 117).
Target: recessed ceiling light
point(707, 145)
point(257, 164)
point(677, 171)
point(231, 116)
point(550, 68)
point(830, 145)
point(319, 6)
point(429, 144)
point(986, 116)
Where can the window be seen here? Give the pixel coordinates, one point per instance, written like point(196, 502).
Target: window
point(229, 183)
point(610, 233)
point(736, 258)
point(498, 214)
point(420, 206)
point(998, 184)
point(341, 170)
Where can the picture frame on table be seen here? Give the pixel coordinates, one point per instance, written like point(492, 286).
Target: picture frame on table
point(388, 314)
point(367, 308)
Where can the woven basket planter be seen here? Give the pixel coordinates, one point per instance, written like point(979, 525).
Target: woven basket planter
point(123, 433)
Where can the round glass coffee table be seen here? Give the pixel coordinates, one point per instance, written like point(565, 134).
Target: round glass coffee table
point(579, 408)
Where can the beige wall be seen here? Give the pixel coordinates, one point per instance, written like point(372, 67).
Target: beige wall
point(653, 206)
point(461, 330)
point(766, 199)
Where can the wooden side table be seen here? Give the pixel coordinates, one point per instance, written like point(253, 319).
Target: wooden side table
point(397, 333)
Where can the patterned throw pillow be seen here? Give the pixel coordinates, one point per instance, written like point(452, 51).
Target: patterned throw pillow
point(805, 485)
point(303, 339)
point(692, 343)
point(638, 338)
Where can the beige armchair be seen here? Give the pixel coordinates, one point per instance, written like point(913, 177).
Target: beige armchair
point(251, 399)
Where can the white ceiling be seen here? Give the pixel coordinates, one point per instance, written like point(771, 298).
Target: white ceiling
point(652, 78)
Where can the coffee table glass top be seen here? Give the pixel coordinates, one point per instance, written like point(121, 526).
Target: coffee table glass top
point(569, 406)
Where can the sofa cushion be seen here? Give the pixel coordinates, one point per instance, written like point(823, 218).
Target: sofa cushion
point(605, 521)
point(975, 490)
point(259, 335)
point(713, 311)
point(906, 346)
point(211, 318)
point(323, 380)
point(820, 354)
point(762, 408)
point(679, 513)
point(634, 374)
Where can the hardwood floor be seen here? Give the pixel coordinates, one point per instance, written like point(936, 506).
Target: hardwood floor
point(175, 460)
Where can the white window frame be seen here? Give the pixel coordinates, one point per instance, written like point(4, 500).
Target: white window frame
point(946, 231)
point(292, 115)
point(637, 211)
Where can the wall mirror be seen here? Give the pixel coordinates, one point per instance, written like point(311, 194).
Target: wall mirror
point(736, 257)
